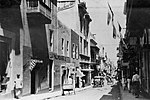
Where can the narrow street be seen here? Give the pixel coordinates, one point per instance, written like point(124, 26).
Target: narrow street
point(97, 49)
point(107, 92)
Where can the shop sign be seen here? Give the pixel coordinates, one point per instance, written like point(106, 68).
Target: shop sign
point(63, 58)
point(63, 5)
point(58, 57)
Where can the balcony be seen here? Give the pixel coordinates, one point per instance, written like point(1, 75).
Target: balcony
point(9, 3)
point(38, 11)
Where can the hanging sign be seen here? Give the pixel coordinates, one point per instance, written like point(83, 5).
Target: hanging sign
point(63, 5)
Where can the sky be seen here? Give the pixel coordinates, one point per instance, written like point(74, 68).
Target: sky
point(98, 10)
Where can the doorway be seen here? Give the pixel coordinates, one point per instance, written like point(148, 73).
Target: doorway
point(50, 74)
point(3, 60)
point(33, 79)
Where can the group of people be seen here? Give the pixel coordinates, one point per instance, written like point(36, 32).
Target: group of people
point(132, 84)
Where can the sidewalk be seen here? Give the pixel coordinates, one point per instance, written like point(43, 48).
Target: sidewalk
point(114, 94)
point(128, 96)
point(47, 95)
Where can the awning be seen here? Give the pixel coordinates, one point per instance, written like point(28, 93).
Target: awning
point(79, 73)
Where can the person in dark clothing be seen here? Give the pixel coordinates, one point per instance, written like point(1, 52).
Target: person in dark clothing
point(136, 84)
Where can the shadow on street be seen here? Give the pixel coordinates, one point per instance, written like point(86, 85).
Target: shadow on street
point(114, 94)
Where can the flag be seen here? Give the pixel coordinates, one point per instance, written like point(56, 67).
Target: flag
point(114, 32)
point(125, 45)
point(119, 27)
point(120, 35)
point(108, 18)
point(111, 12)
point(33, 63)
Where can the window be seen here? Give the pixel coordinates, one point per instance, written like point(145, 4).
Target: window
point(73, 50)
point(85, 47)
point(62, 46)
point(51, 40)
point(54, 2)
point(77, 53)
point(80, 44)
point(47, 2)
point(44, 1)
point(67, 48)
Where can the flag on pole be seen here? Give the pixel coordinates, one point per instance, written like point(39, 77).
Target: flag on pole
point(108, 18)
point(119, 27)
point(114, 32)
point(111, 12)
point(125, 45)
point(33, 63)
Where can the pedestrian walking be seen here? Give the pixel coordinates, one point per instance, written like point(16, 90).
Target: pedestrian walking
point(136, 84)
point(124, 83)
point(17, 87)
point(129, 84)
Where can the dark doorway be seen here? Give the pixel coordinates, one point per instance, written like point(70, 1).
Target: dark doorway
point(33, 90)
point(50, 74)
point(3, 58)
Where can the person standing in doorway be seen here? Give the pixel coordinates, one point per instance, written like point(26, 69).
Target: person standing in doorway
point(18, 87)
point(136, 84)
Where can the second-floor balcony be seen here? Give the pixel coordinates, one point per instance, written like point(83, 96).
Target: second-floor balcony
point(9, 3)
point(36, 9)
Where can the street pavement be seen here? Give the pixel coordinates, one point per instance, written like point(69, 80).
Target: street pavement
point(88, 94)
point(108, 92)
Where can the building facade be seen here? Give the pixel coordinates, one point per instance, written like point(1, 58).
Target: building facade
point(37, 30)
point(11, 42)
point(63, 52)
point(84, 42)
point(95, 57)
point(75, 17)
point(137, 40)
point(28, 25)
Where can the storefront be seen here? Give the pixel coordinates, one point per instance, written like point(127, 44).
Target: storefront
point(58, 61)
point(86, 69)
